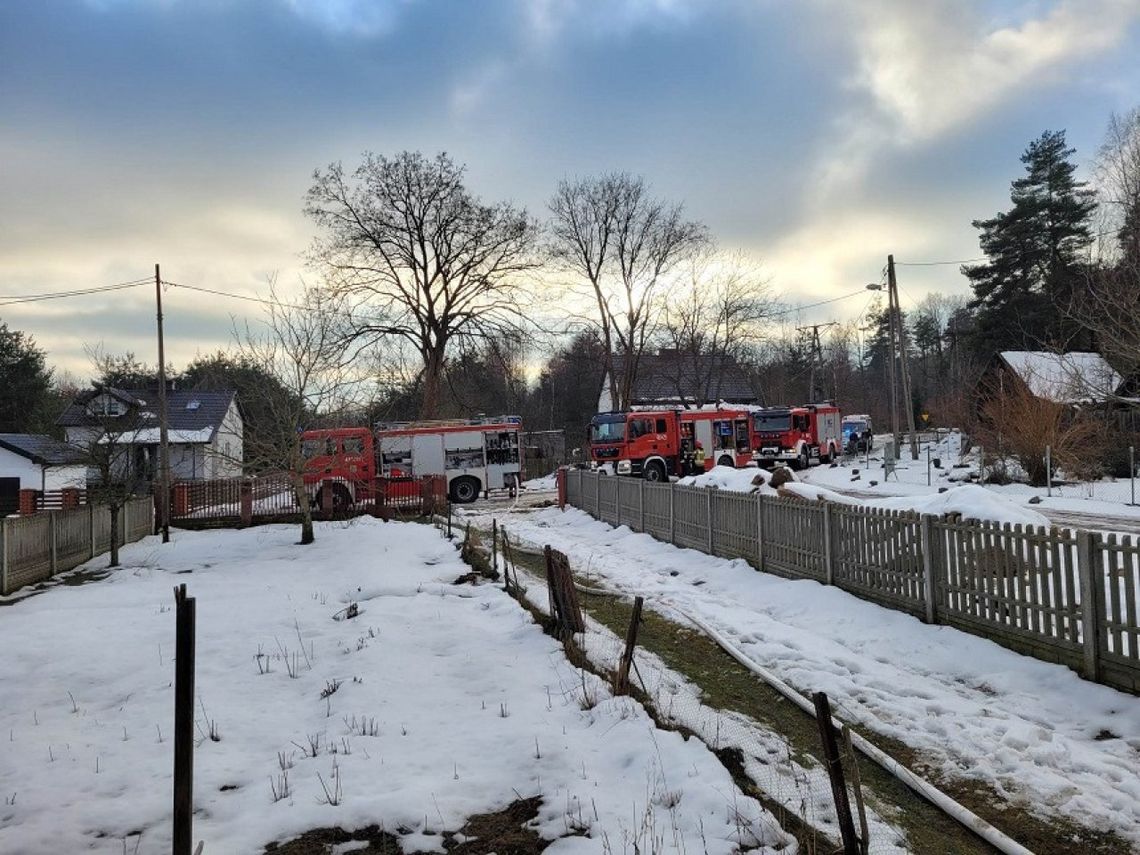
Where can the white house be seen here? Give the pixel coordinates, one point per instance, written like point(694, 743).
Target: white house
point(33, 461)
point(204, 429)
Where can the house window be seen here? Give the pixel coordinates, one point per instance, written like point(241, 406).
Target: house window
point(106, 405)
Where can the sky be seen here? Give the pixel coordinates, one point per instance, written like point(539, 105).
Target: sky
point(817, 136)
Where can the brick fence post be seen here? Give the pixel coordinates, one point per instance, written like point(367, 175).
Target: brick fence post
point(560, 480)
point(180, 497)
point(28, 502)
point(1092, 595)
point(69, 498)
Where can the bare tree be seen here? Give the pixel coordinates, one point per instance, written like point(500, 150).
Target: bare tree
point(625, 244)
point(1110, 303)
point(116, 445)
point(419, 257)
point(301, 346)
point(715, 322)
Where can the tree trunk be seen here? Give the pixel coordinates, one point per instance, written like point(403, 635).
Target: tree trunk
point(114, 508)
point(433, 383)
point(301, 496)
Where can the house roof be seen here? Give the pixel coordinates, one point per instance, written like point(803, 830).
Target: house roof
point(41, 449)
point(194, 413)
point(1065, 378)
point(671, 376)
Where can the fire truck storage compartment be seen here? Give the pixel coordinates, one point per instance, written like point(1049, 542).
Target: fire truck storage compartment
point(502, 458)
point(396, 456)
point(427, 454)
point(463, 450)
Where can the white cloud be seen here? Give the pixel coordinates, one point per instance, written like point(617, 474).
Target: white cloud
point(931, 67)
point(546, 19)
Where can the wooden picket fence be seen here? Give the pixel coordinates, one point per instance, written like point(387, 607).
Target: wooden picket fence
point(1061, 595)
point(35, 548)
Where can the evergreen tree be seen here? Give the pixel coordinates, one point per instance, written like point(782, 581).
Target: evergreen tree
point(1034, 253)
point(25, 383)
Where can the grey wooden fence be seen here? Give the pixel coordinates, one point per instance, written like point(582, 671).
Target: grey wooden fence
point(1062, 595)
point(35, 548)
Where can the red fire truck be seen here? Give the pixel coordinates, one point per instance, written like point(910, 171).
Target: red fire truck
point(475, 455)
point(796, 435)
point(655, 444)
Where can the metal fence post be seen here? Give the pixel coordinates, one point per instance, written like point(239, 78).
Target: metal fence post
point(54, 541)
point(759, 532)
point(709, 517)
point(929, 577)
point(1132, 470)
point(828, 556)
point(1090, 575)
point(1048, 470)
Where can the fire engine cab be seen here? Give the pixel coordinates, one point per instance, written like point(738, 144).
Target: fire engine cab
point(796, 435)
point(474, 455)
point(644, 444)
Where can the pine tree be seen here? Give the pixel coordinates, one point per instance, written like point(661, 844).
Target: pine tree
point(25, 382)
point(1035, 254)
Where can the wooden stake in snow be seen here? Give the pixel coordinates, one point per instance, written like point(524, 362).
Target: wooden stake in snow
point(835, 773)
point(183, 723)
point(621, 682)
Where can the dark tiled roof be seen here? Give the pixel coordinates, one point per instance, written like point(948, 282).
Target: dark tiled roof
point(180, 406)
point(41, 449)
point(670, 376)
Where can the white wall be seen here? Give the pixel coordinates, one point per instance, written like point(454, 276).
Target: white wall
point(224, 455)
point(58, 477)
point(13, 465)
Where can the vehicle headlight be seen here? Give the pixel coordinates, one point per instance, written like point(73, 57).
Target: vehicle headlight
point(624, 467)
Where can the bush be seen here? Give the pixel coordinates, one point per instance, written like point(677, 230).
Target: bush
point(1017, 423)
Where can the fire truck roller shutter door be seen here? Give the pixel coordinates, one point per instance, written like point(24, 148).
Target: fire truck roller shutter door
point(427, 455)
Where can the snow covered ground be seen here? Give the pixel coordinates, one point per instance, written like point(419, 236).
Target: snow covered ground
point(1046, 739)
point(1107, 497)
point(440, 701)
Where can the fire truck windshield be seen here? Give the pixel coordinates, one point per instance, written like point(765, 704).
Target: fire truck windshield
point(772, 421)
point(607, 431)
point(311, 448)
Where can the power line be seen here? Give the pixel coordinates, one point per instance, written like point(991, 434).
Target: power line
point(11, 299)
point(217, 293)
point(938, 263)
point(820, 303)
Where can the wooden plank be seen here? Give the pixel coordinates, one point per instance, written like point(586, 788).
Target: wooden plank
point(1113, 612)
point(1130, 596)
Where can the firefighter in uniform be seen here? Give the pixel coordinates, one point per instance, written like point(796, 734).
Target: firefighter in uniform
point(699, 459)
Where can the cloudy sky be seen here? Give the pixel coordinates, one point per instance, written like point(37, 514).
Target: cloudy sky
point(816, 135)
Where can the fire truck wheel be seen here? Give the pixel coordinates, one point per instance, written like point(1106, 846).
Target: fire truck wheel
point(464, 490)
point(804, 461)
point(654, 472)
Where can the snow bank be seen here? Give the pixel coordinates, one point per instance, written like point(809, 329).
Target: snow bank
point(437, 702)
point(747, 480)
point(1059, 745)
point(969, 500)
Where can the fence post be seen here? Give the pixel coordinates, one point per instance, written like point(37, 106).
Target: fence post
point(828, 544)
point(54, 541)
point(641, 505)
point(709, 517)
point(183, 722)
point(597, 496)
point(760, 532)
point(617, 502)
point(1089, 571)
point(672, 514)
point(929, 577)
point(3, 556)
point(834, 767)
point(91, 527)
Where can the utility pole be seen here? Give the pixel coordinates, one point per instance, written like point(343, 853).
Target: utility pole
point(893, 288)
point(816, 353)
point(891, 357)
point(163, 433)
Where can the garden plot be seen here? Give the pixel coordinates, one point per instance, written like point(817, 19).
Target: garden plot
point(1051, 743)
point(434, 703)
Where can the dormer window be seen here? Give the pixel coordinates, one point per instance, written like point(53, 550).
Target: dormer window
point(193, 405)
point(106, 405)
